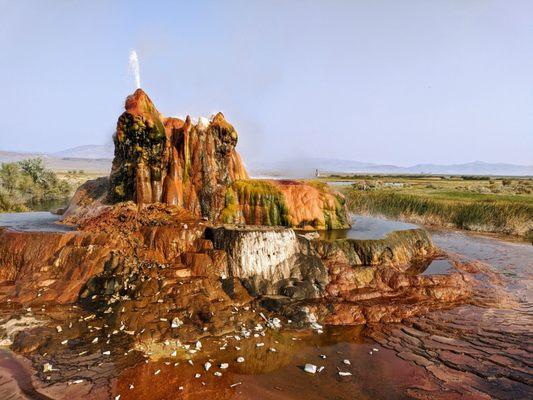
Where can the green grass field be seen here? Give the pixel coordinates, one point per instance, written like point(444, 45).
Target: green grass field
point(497, 205)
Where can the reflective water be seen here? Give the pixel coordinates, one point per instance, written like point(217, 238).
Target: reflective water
point(265, 374)
point(367, 227)
point(38, 221)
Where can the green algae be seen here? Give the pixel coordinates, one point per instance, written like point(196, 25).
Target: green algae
point(138, 140)
point(265, 204)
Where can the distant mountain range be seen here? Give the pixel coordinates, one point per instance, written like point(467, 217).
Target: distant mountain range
point(98, 158)
point(306, 167)
point(90, 159)
point(91, 151)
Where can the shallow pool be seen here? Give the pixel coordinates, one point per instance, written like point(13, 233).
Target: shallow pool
point(366, 227)
point(38, 221)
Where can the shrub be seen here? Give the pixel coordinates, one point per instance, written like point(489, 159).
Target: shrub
point(26, 184)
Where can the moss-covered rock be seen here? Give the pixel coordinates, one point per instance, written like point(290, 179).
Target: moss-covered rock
point(284, 203)
point(168, 160)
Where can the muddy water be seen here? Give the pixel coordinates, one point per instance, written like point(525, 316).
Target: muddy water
point(480, 350)
point(266, 374)
point(16, 378)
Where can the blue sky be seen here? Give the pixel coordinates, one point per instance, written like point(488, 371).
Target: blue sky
point(400, 82)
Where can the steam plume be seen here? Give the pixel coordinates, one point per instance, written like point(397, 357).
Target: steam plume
point(134, 66)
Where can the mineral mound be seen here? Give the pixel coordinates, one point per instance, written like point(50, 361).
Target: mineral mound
point(180, 245)
point(195, 166)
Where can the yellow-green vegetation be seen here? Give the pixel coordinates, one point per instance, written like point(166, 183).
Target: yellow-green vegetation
point(27, 185)
point(260, 203)
point(334, 218)
point(499, 205)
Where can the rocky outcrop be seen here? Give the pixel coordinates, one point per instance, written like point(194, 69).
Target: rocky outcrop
point(88, 200)
point(271, 261)
point(194, 165)
point(173, 161)
point(397, 247)
point(44, 266)
point(302, 205)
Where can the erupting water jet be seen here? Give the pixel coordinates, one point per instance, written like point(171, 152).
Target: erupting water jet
point(134, 66)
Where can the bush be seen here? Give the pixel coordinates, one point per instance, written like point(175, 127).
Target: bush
point(26, 184)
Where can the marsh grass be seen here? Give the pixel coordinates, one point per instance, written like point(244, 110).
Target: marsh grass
point(511, 215)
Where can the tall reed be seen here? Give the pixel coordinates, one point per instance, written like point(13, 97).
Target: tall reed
point(499, 216)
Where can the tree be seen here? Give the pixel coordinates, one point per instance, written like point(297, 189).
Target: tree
point(34, 167)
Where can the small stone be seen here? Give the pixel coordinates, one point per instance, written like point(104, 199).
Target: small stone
point(375, 349)
point(95, 340)
point(240, 359)
point(197, 376)
point(47, 367)
point(216, 373)
point(347, 362)
point(131, 386)
point(59, 329)
point(342, 373)
point(259, 345)
point(310, 368)
point(274, 323)
point(176, 323)
point(157, 372)
point(207, 365)
point(323, 356)
point(224, 365)
point(106, 353)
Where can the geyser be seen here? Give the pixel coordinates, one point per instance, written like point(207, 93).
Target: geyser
point(134, 66)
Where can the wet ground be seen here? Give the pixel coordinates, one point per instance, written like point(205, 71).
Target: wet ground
point(481, 350)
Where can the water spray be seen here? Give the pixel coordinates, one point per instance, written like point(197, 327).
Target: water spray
point(134, 66)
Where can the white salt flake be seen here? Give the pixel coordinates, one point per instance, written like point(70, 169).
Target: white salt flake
point(310, 368)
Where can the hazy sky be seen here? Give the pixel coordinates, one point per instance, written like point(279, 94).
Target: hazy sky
point(392, 81)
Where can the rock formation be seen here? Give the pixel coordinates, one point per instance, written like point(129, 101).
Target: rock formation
point(196, 166)
point(172, 161)
point(162, 257)
point(302, 205)
point(272, 261)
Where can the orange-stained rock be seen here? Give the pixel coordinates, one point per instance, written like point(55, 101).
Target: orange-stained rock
point(194, 165)
point(172, 161)
point(47, 266)
point(298, 204)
